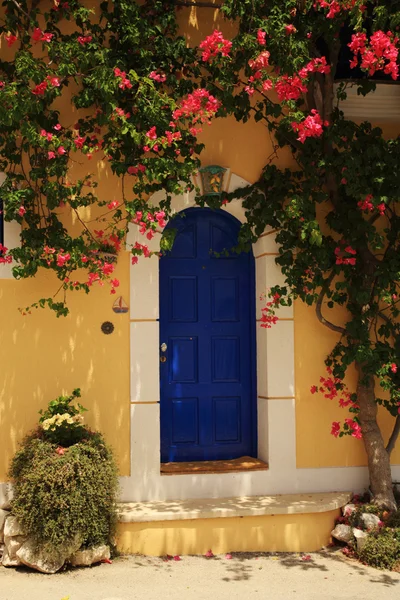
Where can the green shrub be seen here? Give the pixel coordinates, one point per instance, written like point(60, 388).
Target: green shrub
point(62, 422)
point(382, 549)
point(63, 492)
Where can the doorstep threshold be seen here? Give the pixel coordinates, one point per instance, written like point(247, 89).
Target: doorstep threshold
point(236, 465)
point(242, 506)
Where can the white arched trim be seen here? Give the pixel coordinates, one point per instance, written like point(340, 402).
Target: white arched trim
point(275, 391)
point(12, 231)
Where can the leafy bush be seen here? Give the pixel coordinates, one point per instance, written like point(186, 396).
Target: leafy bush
point(62, 422)
point(61, 493)
point(382, 549)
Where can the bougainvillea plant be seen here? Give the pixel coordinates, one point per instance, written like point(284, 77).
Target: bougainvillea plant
point(142, 96)
point(335, 211)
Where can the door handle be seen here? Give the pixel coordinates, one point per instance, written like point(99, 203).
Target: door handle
point(163, 359)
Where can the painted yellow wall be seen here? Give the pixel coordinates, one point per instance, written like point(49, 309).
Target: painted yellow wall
point(272, 533)
point(41, 356)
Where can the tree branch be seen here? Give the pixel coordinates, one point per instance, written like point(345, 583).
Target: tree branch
point(393, 438)
point(318, 307)
point(17, 4)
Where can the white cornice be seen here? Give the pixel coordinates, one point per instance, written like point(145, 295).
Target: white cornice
point(381, 105)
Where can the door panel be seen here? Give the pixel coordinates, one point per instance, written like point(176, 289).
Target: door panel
point(207, 321)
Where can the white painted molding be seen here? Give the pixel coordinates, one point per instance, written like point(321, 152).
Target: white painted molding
point(12, 231)
point(382, 105)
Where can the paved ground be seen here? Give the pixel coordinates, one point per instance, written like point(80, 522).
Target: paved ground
point(326, 576)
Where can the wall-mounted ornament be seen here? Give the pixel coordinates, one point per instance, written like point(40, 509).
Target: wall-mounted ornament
point(212, 180)
point(107, 327)
point(120, 306)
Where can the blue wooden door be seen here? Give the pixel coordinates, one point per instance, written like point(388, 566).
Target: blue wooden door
point(207, 323)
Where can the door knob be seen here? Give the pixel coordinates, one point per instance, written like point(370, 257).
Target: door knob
point(163, 359)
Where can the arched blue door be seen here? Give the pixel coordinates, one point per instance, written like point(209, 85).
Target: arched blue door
point(207, 329)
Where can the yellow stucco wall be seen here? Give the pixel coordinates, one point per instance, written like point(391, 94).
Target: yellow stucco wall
point(271, 533)
point(41, 356)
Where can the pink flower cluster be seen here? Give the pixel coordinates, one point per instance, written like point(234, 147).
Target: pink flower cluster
point(335, 7)
point(4, 257)
point(312, 126)
point(334, 388)
point(268, 317)
point(213, 45)
point(316, 65)
point(199, 106)
point(160, 77)
point(40, 88)
point(146, 222)
point(367, 206)
point(40, 36)
point(261, 37)
point(10, 39)
point(261, 61)
point(381, 53)
point(124, 83)
point(290, 88)
point(84, 39)
point(342, 253)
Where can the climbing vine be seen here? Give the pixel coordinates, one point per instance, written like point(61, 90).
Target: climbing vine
point(141, 97)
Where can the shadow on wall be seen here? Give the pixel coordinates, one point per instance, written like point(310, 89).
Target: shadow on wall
point(43, 357)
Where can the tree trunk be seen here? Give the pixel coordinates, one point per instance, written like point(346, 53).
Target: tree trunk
point(378, 458)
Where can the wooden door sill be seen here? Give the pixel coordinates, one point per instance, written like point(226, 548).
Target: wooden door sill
point(243, 464)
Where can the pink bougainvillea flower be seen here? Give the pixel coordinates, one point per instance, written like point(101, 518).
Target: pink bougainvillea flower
point(84, 39)
point(289, 29)
point(47, 37)
point(10, 39)
point(40, 89)
point(177, 557)
point(314, 389)
point(21, 211)
point(134, 260)
point(209, 554)
point(261, 61)
point(51, 155)
point(62, 259)
point(261, 35)
point(312, 126)
point(306, 557)
point(228, 556)
point(37, 34)
point(79, 141)
point(335, 428)
point(61, 150)
point(213, 45)
point(57, 127)
point(54, 81)
point(113, 204)
point(152, 133)
point(60, 450)
point(160, 77)
point(393, 368)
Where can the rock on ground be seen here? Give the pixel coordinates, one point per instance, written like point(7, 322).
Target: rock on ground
point(12, 545)
point(370, 521)
point(12, 527)
point(3, 516)
point(46, 561)
point(361, 537)
point(342, 532)
point(85, 558)
point(349, 509)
